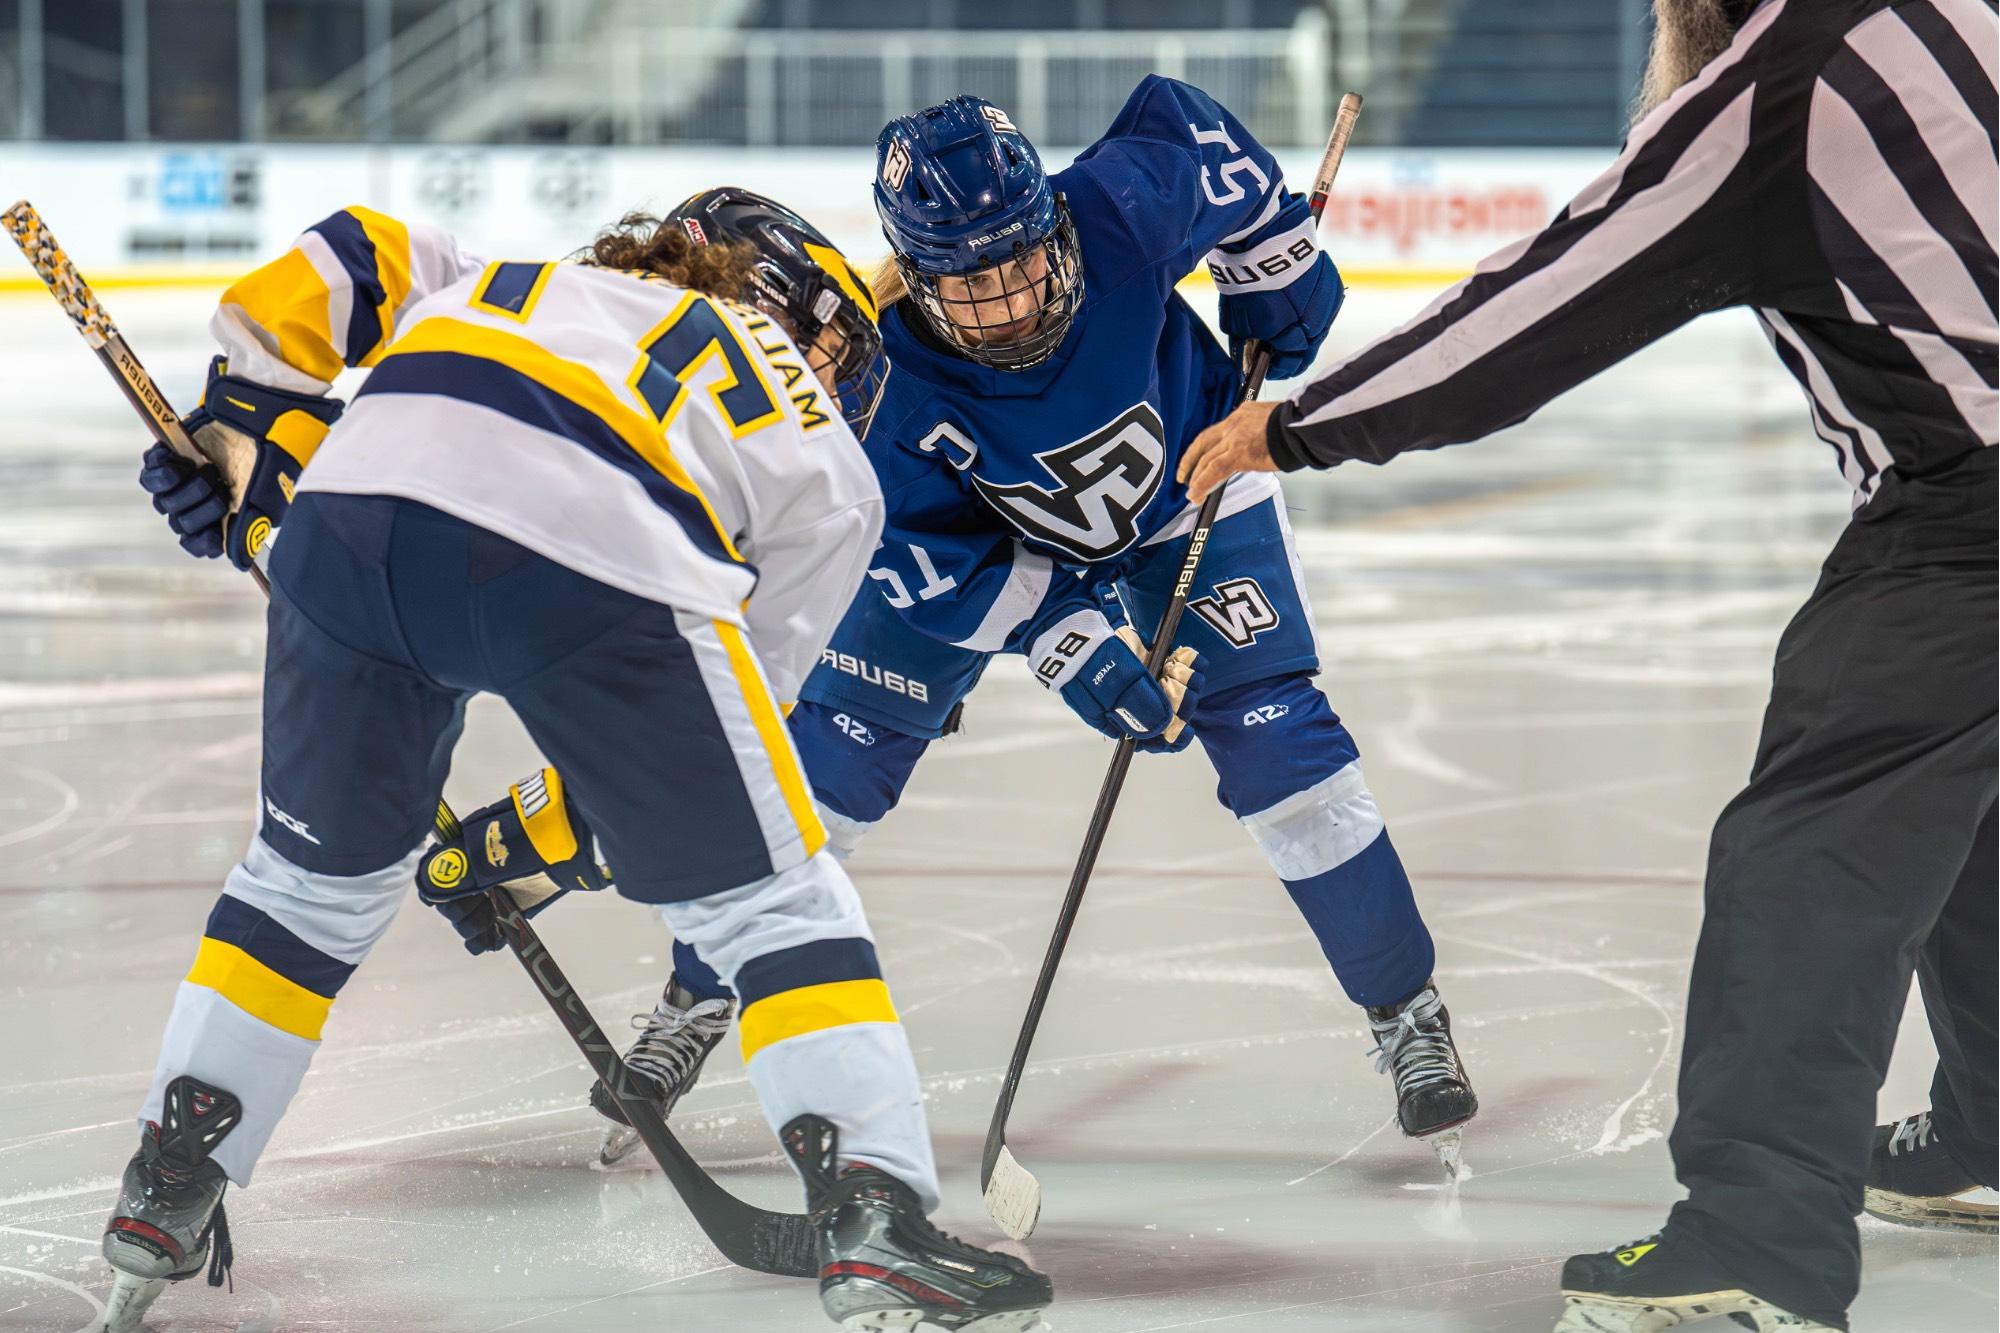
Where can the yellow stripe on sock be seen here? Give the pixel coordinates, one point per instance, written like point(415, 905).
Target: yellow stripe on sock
point(258, 991)
point(777, 738)
point(794, 1013)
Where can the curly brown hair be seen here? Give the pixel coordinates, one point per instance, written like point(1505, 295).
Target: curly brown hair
point(642, 243)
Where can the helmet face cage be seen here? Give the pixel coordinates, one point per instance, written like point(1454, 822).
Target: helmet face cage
point(976, 318)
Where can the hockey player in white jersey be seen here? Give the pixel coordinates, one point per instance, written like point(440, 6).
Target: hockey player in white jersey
point(631, 507)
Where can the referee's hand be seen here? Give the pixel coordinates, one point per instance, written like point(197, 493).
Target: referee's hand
point(1232, 445)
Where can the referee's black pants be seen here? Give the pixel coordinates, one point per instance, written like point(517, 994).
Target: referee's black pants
point(1863, 848)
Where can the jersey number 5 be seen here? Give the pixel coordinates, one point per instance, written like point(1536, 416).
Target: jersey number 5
point(682, 344)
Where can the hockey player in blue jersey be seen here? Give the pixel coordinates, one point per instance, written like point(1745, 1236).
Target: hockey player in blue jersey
point(1045, 379)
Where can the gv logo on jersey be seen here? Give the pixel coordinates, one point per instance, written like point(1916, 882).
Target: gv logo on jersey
point(1104, 481)
point(1239, 611)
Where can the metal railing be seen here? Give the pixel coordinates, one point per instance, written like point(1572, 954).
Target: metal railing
point(657, 71)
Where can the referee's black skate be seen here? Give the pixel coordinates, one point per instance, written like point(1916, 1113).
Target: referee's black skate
point(674, 1042)
point(1413, 1044)
point(1914, 1181)
point(169, 1223)
point(1658, 1283)
point(884, 1268)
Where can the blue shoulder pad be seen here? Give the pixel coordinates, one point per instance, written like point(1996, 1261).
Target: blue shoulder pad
point(1184, 173)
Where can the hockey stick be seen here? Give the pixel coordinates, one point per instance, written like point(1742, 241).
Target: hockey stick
point(1012, 1194)
point(73, 294)
point(752, 1237)
point(748, 1236)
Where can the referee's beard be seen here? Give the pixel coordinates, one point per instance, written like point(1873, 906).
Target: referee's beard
point(1687, 34)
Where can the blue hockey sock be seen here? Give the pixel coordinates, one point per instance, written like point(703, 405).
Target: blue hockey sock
point(1366, 920)
point(697, 977)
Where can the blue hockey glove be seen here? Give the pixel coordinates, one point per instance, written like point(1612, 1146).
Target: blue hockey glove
point(1101, 674)
point(1279, 288)
point(261, 439)
point(534, 842)
point(192, 495)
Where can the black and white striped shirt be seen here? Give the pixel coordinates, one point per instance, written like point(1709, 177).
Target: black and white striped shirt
point(1833, 169)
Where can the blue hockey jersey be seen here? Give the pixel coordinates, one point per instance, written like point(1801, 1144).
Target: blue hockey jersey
point(1012, 494)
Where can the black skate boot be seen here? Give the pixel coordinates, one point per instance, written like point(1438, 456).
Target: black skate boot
point(1657, 1283)
point(885, 1268)
point(1914, 1182)
point(674, 1042)
point(1413, 1044)
point(169, 1222)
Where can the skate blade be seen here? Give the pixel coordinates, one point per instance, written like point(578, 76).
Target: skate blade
point(1008, 1321)
point(1013, 1196)
point(130, 1297)
point(882, 1321)
point(1449, 1145)
point(1590, 1312)
point(1947, 1213)
point(619, 1141)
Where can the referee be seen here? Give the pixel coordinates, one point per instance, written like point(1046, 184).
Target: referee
point(1831, 164)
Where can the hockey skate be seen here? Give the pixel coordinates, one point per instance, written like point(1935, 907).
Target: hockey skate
point(1654, 1284)
point(1434, 1098)
point(1914, 1182)
point(884, 1268)
point(169, 1222)
point(674, 1042)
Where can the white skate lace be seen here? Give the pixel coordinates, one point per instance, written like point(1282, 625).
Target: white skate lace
point(1910, 1134)
point(673, 1041)
point(1414, 1046)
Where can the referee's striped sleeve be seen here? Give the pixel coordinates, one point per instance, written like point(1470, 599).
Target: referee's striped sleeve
point(1669, 232)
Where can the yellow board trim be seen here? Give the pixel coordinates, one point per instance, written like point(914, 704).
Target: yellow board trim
point(442, 333)
point(257, 990)
point(198, 277)
point(479, 301)
point(777, 739)
point(391, 240)
point(794, 1013)
point(548, 829)
point(287, 298)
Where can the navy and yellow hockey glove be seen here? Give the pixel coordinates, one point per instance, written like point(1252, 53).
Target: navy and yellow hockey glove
point(534, 842)
point(1101, 674)
point(1281, 289)
point(256, 440)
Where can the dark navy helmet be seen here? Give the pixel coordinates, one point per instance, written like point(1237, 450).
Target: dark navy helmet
point(801, 279)
point(986, 248)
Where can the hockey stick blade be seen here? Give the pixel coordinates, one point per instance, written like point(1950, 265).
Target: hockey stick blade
point(1013, 1196)
point(746, 1235)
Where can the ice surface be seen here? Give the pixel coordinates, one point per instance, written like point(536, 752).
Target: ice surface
point(1553, 649)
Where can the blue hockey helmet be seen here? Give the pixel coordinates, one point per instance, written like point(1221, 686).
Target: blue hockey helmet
point(799, 277)
point(986, 248)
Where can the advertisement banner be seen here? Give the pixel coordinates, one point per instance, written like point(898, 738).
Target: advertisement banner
point(148, 213)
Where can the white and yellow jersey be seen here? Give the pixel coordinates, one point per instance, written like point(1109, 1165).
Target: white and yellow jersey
point(661, 441)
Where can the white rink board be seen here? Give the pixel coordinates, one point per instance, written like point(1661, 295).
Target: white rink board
point(226, 208)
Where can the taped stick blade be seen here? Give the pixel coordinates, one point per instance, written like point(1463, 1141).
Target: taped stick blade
point(1013, 1196)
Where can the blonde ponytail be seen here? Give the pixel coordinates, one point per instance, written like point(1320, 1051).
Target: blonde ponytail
point(886, 283)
